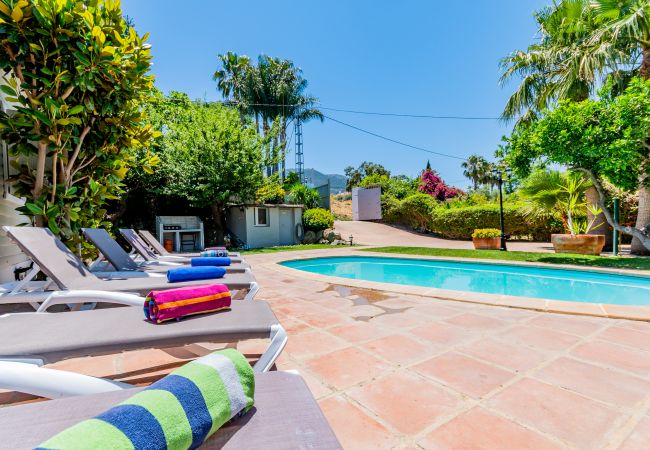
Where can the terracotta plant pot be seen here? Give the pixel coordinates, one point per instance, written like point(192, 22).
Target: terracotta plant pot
point(487, 243)
point(584, 244)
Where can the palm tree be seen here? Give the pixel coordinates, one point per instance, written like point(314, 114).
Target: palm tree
point(479, 170)
point(555, 68)
point(273, 91)
point(233, 79)
point(548, 192)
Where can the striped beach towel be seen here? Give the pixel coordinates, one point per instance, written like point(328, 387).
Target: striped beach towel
point(180, 411)
point(160, 306)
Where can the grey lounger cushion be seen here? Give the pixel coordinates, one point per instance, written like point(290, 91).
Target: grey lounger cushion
point(53, 337)
point(122, 261)
point(69, 272)
point(285, 416)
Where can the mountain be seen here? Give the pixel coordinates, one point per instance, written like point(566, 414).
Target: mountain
point(316, 178)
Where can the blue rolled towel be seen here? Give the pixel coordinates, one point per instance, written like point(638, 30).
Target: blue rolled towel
point(211, 261)
point(194, 273)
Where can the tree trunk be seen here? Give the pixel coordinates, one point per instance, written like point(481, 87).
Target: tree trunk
point(641, 235)
point(643, 212)
point(600, 223)
point(39, 182)
point(218, 214)
point(642, 219)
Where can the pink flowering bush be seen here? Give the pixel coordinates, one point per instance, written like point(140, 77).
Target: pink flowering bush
point(433, 185)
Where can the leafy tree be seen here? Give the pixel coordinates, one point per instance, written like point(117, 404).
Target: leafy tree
point(607, 140)
point(208, 157)
point(76, 74)
point(356, 176)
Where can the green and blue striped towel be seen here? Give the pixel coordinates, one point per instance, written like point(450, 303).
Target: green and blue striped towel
point(180, 411)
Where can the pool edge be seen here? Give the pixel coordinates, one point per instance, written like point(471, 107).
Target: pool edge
point(639, 313)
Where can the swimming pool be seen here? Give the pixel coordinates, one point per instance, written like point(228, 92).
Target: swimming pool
point(506, 279)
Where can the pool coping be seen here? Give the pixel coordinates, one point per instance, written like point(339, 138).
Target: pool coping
point(641, 313)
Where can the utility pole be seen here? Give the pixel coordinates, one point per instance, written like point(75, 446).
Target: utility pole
point(300, 159)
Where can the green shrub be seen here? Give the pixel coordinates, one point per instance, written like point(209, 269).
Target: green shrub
point(302, 195)
point(390, 209)
point(460, 223)
point(317, 219)
point(416, 210)
point(484, 233)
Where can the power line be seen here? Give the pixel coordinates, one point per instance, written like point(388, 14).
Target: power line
point(417, 116)
point(373, 113)
point(393, 140)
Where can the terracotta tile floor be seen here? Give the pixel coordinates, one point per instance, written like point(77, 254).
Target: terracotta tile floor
point(402, 371)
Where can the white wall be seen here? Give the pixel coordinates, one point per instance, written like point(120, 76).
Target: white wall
point(269, 236)
point(366, 203)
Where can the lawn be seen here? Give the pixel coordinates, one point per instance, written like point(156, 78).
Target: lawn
point(550, 258)
point(289, 248)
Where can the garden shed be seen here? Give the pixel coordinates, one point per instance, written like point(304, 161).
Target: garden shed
point(256, 226)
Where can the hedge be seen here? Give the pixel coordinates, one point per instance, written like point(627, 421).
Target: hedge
point(422, 212)
point(460, 223)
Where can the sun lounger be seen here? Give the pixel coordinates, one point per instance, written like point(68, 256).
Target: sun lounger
point(56, 336)
point(146, 239)
point(122, 261)
point(285, 416)
point(149, 254)
point(67, 272)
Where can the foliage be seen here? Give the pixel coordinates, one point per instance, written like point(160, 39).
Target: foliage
point(625, 262)
point(317, 219)
point(399, 186)
point(431, 184)
point(291, 179)
point(484, 233)
point(300, 194)
point(271, 191)
point(79, 73)
point(415, 211)
point(366, 169)
point(460, 223)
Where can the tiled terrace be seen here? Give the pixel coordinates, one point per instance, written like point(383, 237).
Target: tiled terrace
point(405, 371)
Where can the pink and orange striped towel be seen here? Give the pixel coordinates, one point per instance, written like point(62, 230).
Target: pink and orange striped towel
point(160, 306)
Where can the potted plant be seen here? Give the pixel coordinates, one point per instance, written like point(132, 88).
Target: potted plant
point(486, 239)
point(577, 240)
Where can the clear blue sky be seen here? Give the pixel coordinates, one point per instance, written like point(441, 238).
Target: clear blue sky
point(418, 57)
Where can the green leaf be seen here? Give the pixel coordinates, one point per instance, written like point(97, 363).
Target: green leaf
point(34, 209)
point(53, 226)
point(8, 90)
point(75, 110)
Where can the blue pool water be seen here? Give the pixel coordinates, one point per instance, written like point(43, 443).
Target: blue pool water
point(523, 281)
